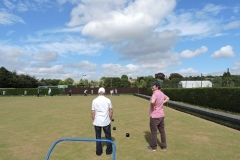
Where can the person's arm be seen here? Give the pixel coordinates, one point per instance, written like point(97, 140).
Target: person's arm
point(153, 104)
point(165, 100)
point(110, 113)
point(93, 114)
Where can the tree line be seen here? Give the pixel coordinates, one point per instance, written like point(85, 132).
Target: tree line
point(10, 79)
point(226, 80)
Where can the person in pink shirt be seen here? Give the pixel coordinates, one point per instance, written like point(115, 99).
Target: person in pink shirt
point(157, 117)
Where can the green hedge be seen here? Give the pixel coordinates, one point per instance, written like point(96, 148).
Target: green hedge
point(226, 99)
point(30, 91)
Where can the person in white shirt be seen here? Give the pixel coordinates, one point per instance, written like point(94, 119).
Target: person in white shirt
point(102, 113)
point(49, 91)
point(85, 92)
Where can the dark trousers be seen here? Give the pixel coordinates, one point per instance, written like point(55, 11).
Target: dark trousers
point(157, 124)
point(107, 131)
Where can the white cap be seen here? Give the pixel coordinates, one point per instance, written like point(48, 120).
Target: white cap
point(101, 90)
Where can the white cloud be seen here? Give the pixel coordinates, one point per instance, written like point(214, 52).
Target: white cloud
point(187, 24)
point(213, 9)
point(13, 53)
point(236, 9)
point(7, 18)
point(39, 64)
point(188, 71)
point(60, 43)
point(60, 31)
point(114, 70)
point(191, 54)
point(236, 69)
point(23, 7)
point(45, 56)
point(52, 72)
point(83, 65)
point(9, 4)
point(26, 5)
point(155, 42)
point(13, 59)
point(197, 24)
point(232, 25)
point(9, 32)
point(120, 24)
point(224, 52)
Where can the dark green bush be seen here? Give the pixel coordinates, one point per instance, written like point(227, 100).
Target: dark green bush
point(217, 98)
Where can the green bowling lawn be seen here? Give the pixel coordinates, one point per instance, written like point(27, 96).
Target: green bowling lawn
point(30, 125)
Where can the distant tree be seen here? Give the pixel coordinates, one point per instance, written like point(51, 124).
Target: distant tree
point(217, 81)
point(13, 80)
point(103, 79)
point(140, 84)
point(140, 78)
point(149, 80)
point(226, 79)
point(85, 81)
point(125, 83)
point(42, 82)
point(62, 82)
point(236, 80)
point(69, 81)
point(166, 83)
point(101, 84)
point(49, 82)
point(160, 76)
point(5, 78)
point(210, 76)
point(124, 77)
point(94, 83)
point(175, 75)
point(26, 81)
point(55, 82)
point(116, 82)
point(144, 82)
point(174, 82)
point(108, 81)
point(81, 83)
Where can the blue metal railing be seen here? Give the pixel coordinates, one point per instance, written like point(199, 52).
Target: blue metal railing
point(85, 140)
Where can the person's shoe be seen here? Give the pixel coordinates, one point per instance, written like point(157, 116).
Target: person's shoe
point(98, 154)
point(164, 149)
point(150, 148)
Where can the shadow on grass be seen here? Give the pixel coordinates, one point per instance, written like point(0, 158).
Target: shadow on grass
point(148, 138)
point(104, 143)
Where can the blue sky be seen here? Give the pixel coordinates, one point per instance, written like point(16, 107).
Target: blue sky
point(89, 39)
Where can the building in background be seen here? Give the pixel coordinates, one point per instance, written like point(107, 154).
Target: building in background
point(194, 84)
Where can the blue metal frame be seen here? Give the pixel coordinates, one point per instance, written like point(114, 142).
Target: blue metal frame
point(85, 140)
